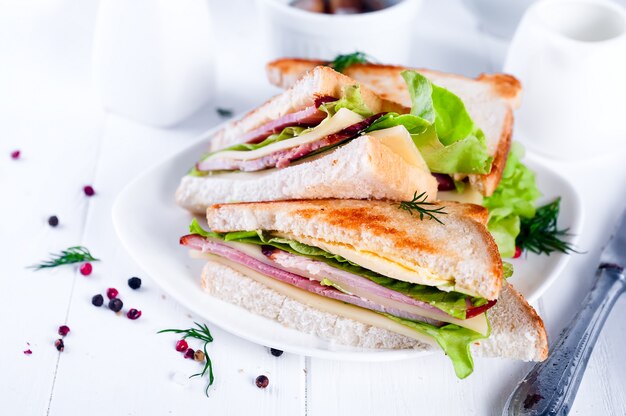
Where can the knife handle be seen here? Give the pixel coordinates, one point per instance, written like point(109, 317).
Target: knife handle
point(551, 386)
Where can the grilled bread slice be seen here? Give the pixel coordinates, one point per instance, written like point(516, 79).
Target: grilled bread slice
point(458, 255)
point(490, 100)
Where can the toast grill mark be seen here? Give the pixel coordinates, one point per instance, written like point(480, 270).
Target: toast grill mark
point(364, 218)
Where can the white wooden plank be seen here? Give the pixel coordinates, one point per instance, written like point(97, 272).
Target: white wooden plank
point(141, 367)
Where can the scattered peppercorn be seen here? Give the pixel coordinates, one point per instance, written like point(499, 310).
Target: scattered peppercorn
point(275, 352)
point(53, 221)
point(262, 381)
point(133, 314)
point(89, 190)
point(198, 355)
point(189, 353)
point(181, 345)
point(112, 293)
point(86, 269)
point(15, 154)
point(60, 346)
point(28, 352)
point(64, 330)
point(518, 252)
point(116, 305)
point(134, 283)
point(97, 300)
point(224, 112)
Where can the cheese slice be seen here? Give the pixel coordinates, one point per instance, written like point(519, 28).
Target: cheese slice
point(342, 119)
point(324, 304)
point(391, 267)
point(468, 196)
point(399, 141)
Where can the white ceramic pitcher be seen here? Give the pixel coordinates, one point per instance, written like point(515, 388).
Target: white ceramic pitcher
point(153, 59)
point(570, 56)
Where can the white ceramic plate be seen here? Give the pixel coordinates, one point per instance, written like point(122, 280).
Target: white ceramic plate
point(152, 240)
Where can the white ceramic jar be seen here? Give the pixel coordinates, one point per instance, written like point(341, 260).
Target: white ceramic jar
point(153, 59)
point(570, 56)
point(383, 34)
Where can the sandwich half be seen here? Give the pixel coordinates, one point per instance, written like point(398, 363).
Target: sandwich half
point(313, 141)
point(370, 274)
point(501, 183)
point(490, 100)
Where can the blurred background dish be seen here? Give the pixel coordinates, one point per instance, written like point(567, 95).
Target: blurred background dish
point(497, 17)
point(382, 29)
point(153, 60)
point(570, 56)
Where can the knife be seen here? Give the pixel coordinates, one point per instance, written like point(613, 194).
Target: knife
point(550, 387)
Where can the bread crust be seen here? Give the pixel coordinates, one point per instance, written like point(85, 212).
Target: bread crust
point(461, 249)
point(502, 90)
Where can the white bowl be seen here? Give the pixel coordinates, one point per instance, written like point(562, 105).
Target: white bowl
point(385, 35)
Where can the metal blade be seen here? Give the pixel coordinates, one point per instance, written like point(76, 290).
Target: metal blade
point(615, 250)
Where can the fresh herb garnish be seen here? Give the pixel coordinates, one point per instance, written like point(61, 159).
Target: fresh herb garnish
point(420, 205)
point(76, 254)
point(341, 62)
point(224, 112)
point(540, 233)
point(201, 333)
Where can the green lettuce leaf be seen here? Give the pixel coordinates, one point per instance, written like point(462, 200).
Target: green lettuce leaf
point(441, 128)
point(454, 340)
point(514, 198)
point(342, 62)
point(351, 99)
point(453, 303)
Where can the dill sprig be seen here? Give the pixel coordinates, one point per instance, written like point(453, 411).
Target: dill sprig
point(76, 254)
point(202, 333)
point(540, 233)
point(341, 62)
point(420, 205)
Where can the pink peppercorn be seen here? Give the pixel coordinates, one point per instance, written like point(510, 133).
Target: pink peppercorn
point(86, 269)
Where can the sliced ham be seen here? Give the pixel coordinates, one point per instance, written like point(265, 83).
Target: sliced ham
point(199, 243)
point(307, 117)
point(444, 182)
point(282, 158)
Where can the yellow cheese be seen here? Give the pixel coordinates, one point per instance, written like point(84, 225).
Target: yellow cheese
point(394, 268)
point(342, 119)
point(399, 141)
point(468, 196)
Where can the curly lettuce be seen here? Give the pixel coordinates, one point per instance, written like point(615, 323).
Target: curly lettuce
point(513, 199)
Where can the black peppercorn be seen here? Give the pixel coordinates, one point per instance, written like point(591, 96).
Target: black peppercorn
point(275, 352)
point(134, 283)
point(116, 305)
point(53, 221)
point(97, 300)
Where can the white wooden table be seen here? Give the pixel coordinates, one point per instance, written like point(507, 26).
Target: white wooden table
point(114, 366)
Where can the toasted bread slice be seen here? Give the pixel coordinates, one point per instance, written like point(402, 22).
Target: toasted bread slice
point(517, 332)
point(490, 100)
point(365, 168)
point(317, 83)
point(460, 253)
